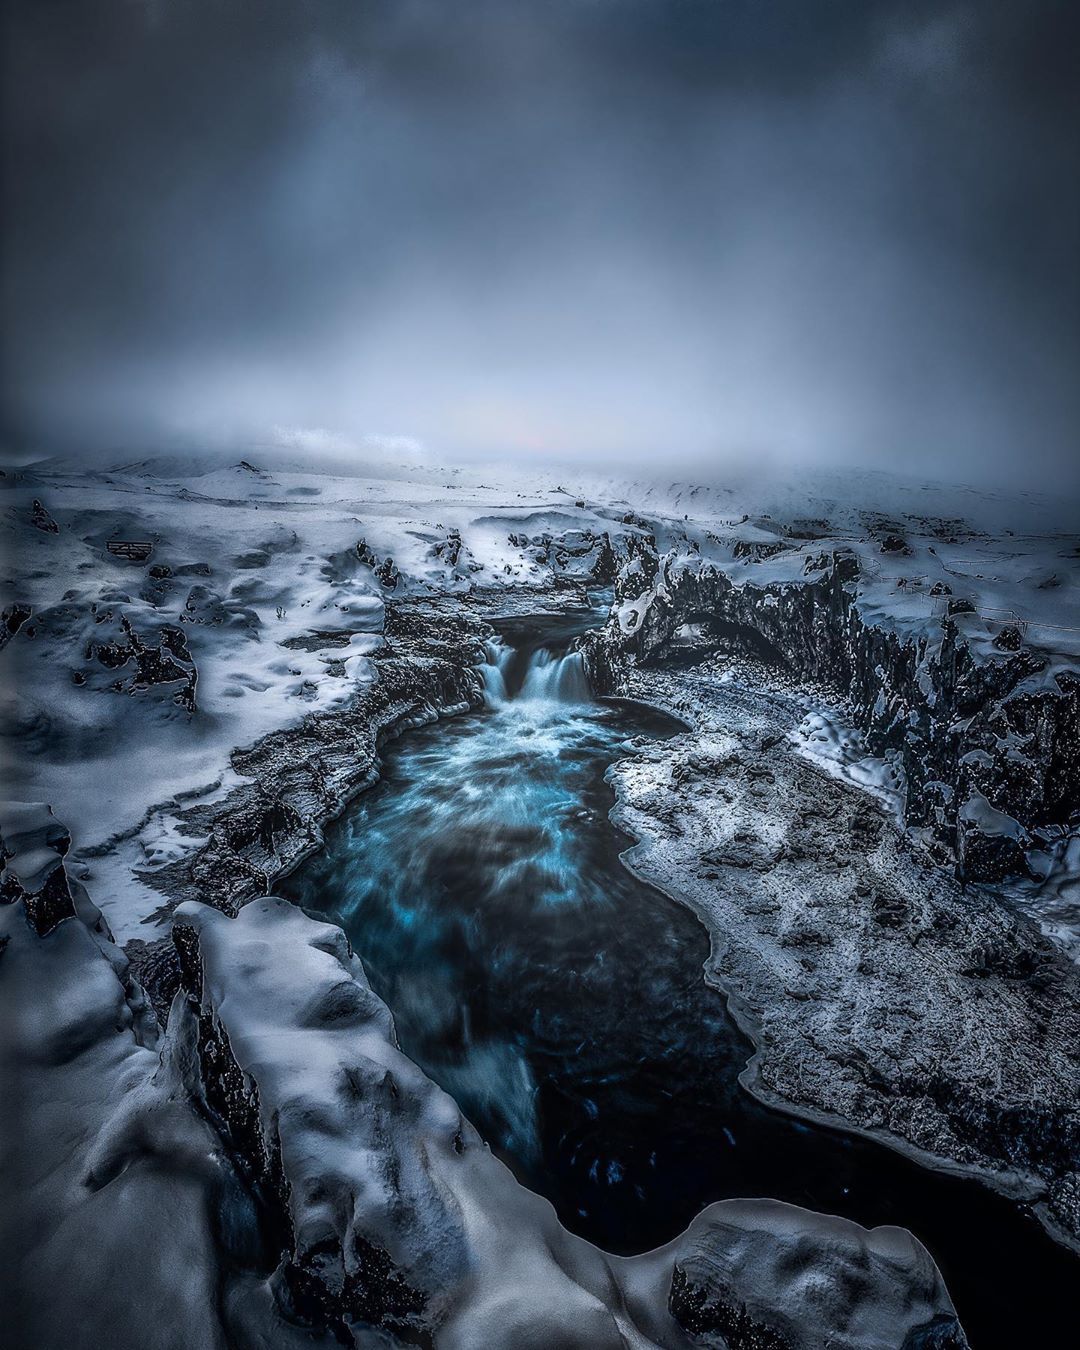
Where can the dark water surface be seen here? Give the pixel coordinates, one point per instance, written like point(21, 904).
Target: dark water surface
point(561, 1001)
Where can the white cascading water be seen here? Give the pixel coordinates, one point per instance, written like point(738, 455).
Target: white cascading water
point(555, 679)
point(493, 672)
point(548, 678)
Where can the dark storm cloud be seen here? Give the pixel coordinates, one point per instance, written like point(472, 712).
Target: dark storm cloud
point(615, 227)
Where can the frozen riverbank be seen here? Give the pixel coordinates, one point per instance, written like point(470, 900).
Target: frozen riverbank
point(200, 716)
point(878, 992)
point(561, 1003)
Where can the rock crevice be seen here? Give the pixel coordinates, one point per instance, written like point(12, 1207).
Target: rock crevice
point(988, 734)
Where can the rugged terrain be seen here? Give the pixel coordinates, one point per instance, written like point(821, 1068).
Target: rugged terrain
point(985, 727)
point(879, 992)
point(197, 713)
point(315, 1188)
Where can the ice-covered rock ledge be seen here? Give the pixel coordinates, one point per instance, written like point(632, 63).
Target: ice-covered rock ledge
point(986, 726)
point(395, 1215)
point(293, 781)
point(879, 993)
point(110, 1175)
point(276, 1172)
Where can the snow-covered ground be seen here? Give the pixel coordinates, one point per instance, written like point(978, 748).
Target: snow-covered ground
point(269, 581)
point(127, 686)
point(277, 581)
point(826, 739)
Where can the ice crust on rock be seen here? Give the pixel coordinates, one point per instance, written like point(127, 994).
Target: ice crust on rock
point(733, 1282)
point(33, 844)
point(398, 1212)
point(287, 587)
point(878, 991)
point(109, 1173)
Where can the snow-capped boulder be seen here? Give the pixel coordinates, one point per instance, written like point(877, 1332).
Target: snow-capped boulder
point(33, 844)
point(395, 1214)
point(110, 1175)
point(758, 1273)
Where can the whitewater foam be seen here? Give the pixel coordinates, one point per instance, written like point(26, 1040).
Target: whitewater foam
point(548, 677)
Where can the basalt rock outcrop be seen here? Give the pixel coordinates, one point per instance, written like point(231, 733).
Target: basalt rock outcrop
point(12, 618)
point(141, 665)
point(988, 732)
point(41, 519)
point(391, 1213)
point(37, 886)
point(33, 845)
point(299, 778)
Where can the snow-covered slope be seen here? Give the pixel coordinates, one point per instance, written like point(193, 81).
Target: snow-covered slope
point(280, 1174)
point(145, 687)
point(127, 684)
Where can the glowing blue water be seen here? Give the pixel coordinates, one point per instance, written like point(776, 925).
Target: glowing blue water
point(562, 1002)
point(457, 866)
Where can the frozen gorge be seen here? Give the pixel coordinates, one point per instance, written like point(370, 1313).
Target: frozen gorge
point(464, 912)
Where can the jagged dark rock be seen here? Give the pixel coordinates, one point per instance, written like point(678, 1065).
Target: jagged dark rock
point(961, 725)
point(12, 619)
point(168, 662)
point(1009, 639)
point(41, 518)
point(387, 574)
point(33, 845)
point(606, 567)
point(301, 778)
point(757, 550)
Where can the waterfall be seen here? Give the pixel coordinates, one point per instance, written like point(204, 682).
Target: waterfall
point(541, 676)
point(555, 679)
point(493, 672)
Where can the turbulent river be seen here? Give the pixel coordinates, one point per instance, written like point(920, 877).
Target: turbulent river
point(561, 1001)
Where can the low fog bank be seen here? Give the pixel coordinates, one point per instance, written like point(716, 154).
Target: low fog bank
point(669, 481)
point(630, 233)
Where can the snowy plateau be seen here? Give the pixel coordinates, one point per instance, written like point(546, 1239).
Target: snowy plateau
point(212, 1136)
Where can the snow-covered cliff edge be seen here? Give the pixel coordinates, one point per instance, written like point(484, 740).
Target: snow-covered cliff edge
point(985, 726)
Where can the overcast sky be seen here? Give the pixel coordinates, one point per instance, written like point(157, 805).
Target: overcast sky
point(635, 230)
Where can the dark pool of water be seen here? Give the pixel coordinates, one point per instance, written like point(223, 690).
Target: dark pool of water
point(561, 1001)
